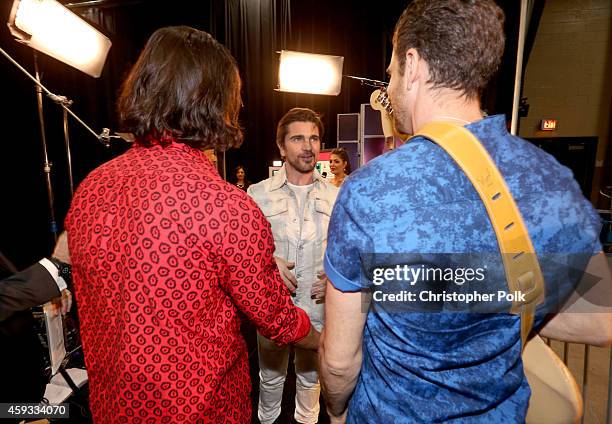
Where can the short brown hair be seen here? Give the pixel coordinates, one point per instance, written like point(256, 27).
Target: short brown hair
point(184, 84)
point(297, 114)
point(462, 41)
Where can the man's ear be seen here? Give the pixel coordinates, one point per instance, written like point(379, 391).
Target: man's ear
point(412, 67)
point(281, 148)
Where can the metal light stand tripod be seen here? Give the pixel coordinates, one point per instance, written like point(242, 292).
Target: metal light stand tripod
point(104, 137)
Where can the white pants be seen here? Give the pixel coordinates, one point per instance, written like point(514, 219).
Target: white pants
point(272, 372)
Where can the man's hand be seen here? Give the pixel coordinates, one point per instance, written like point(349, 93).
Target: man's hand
point(66, 301)
point(318, 288)
point(62, 304)
point(311, 341)
point(61, 248)
point(285, 268)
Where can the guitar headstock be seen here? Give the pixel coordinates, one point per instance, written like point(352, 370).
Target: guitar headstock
point(379, 100)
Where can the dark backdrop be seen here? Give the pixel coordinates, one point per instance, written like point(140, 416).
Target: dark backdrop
point(253, 30)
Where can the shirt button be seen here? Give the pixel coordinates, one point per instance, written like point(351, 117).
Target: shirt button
point(294, 220)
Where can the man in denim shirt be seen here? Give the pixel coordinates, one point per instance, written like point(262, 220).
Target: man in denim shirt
point(298, 203)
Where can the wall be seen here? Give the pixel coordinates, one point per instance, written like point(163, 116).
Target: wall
point(569, 74)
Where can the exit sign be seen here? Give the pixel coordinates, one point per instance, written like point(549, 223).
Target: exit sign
point(548, 124)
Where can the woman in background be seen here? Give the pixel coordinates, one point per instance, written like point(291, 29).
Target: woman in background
point(339, 165)
point(241, 180)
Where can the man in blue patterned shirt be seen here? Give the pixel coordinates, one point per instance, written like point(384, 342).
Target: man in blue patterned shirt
point(388, 366)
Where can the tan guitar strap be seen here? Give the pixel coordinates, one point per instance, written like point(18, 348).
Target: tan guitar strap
point(520, 261)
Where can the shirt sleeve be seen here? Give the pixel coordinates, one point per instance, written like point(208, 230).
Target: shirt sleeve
point(347, 242)
point(252, 278)
point(61, 283)
point(28, 288)
point(597, 225)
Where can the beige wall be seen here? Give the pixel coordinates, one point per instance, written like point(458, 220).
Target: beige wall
point(569, 73)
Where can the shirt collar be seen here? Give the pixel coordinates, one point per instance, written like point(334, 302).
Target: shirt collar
point(196, 154)
point(280, 179)
point(492, 122)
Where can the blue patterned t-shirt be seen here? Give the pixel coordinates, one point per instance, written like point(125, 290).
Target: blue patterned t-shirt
point(437, 367)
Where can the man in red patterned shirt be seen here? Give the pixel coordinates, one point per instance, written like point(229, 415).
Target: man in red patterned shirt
point(167, 256)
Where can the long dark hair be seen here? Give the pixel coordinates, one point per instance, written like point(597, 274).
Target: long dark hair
point(342, 154)
point(239, 167)
point(246, 182)
point(184, 85)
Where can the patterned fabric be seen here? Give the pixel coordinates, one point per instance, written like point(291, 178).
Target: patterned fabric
point(166, 258)
point(438, 367)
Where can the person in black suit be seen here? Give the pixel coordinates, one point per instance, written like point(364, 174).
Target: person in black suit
point(21, 356)
point(38, 284)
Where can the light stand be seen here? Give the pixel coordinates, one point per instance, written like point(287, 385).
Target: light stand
point(46, 163)
point(49, 27)
point(104, 137)
point(369, 82)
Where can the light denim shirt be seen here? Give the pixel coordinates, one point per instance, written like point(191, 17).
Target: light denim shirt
point(298, 239)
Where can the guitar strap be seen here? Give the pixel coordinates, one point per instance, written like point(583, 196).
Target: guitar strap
point(519, 257)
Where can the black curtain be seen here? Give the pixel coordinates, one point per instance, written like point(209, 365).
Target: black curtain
point(254, 31)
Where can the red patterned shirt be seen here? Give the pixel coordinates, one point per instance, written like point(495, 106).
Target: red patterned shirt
point(166, 257)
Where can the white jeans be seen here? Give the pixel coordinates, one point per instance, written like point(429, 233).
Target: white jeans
point(272, 372)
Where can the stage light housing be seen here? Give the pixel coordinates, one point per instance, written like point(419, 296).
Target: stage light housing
point(310, 73)
point(53, 29)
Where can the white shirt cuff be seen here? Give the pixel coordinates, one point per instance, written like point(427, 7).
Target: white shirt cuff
point(61, 284)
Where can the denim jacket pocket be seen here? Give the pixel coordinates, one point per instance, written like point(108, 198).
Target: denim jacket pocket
point(324, 208)
point(275, 211)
